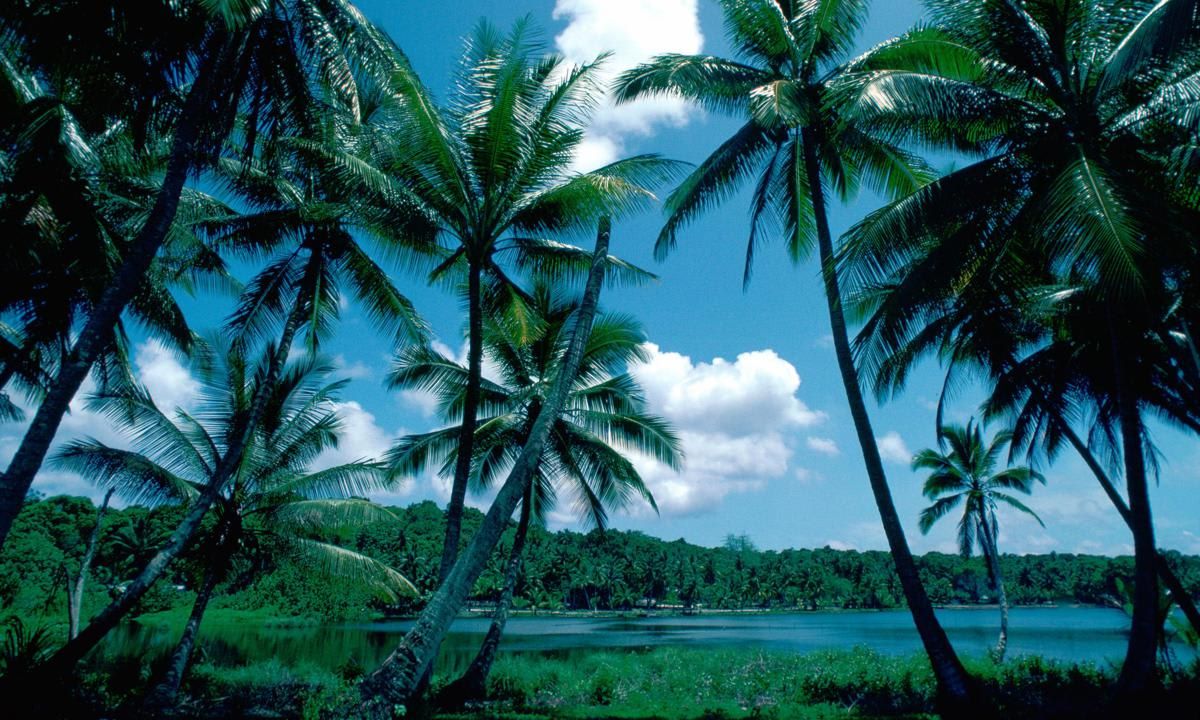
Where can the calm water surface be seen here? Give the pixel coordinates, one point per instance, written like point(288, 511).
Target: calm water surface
point(1078, 634)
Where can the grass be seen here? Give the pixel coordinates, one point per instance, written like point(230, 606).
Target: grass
point(695, 684)
point(665, 684)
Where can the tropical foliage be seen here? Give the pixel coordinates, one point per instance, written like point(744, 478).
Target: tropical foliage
point(151, 148)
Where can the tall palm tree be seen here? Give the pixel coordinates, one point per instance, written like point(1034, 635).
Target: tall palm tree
point(799, 144)
point(271, 62)
point(71, 199)
point(1079, 111)
point(491, 168)
point(399, 678)
point(979, 327)
point(962, 471)
point(276, 499)
point(605, 414)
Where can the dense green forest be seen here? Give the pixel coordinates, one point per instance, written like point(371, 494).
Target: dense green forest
point(564, 570)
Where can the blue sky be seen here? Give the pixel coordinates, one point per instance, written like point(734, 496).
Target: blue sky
point(748, 378)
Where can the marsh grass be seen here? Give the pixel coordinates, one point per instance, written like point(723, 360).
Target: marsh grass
point(663, 683)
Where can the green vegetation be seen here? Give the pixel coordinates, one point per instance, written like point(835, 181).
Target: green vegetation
point(672, 684)
point(565, 570)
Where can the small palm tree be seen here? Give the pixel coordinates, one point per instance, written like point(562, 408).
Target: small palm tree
point(963, 472)
point(605, 414)
point(275, 500)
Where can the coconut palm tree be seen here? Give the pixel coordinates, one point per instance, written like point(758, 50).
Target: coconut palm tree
point(492, 169)
point(71, 199)
point(605, 414)
point(250, 71)
point(800, 147)
point(276, 500)
point(979, 328)
point(1080, 112)
point(300, 214)
point(399, 678)
point(962, 471)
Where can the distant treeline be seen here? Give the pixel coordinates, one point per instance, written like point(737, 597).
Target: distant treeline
point(565, 570)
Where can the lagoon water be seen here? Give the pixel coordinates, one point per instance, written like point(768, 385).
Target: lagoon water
point(1089, 634)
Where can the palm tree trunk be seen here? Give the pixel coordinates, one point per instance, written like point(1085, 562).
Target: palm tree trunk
point(97, 333)
point(992, 551)
point(395, 681)
point(1138, 675)
point(473, 683)
point(162, 697)
point(75, 601)
point(954, 687)
point(466, 435)
point(74, 650)
point(1168, 577)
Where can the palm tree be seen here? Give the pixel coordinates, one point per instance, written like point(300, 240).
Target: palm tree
point(490, 168)
point(799, 144)
point(1080, 111)
point(274, 60)
point(980, 327)
point(398, 679)
point(299, 211)
point(276, 499)
point(71, 200)
point(605, 414)
point(963, 472)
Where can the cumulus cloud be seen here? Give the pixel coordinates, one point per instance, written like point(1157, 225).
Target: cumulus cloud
point(170, 383)
point(633, 31)
point(893, 448)
point(825, 446)
point(733, 418)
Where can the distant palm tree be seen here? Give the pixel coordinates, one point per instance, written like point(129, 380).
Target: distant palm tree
point(1080, 113)
point(492, 170)
point(605, 415)
point(800, 147)
point(963, 472)
point(275, 497)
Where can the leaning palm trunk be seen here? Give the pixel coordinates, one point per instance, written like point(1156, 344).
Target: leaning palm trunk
point(473, 683)
point(992, 552)
point(162, 697)
point(73, 651)
point(1138, 671)
point(75, 601)
point(1169, 579)
point(395, 681)
point(954, 687)
point(97, 333)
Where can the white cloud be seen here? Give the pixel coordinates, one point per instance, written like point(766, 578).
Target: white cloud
point(893, 448)
point(825, 446)
point(356, 370)
point(633, 31)
point(170, 383)
point(731, 418)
